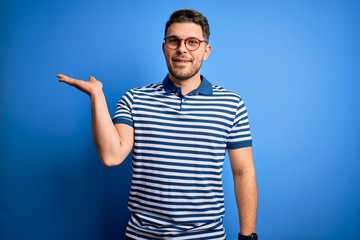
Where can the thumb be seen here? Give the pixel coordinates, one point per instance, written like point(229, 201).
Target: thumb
point(92, 79)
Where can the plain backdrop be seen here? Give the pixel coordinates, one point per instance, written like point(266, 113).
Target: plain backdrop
point(296, 64)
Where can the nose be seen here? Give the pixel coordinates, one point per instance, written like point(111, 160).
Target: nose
point(182, 46)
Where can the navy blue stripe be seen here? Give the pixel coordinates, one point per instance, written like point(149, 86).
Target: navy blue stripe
point(202, 212)
point(174, 212)
point(142, 171)
point(180, 184)
point(173, 203)
point(182, 144)
point(183, 138)
point(179, 190)
point(175, 123)
point(203, 153)
point(184, 119)
point(184, 132)
point(191, 158)
point(177, 222)
point(178, 164)
point(174, 171)
point(240, 144)
point(218, 108)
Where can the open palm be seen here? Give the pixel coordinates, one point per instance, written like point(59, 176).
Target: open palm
point(89, 87)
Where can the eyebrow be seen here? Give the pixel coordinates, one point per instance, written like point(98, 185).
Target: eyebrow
point(180, 37)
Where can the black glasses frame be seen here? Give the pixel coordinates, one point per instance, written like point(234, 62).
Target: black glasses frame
point(185, 41)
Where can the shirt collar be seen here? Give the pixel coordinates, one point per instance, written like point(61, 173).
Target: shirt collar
point(205, 87)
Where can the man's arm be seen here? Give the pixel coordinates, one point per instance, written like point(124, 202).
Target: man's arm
point(113, 142)
point(242, 165)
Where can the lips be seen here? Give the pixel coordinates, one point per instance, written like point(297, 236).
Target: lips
point(180, 61)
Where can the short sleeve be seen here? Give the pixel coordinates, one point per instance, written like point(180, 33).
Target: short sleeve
point(240, 135)
point(123, 112)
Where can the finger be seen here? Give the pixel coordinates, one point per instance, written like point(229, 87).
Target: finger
point(68, 80)
point(62, 77)
point(92, 78)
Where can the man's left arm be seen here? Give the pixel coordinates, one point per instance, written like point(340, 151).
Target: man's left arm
point(243, 169)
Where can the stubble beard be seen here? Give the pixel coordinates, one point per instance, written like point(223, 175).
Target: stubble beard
point(182, 76)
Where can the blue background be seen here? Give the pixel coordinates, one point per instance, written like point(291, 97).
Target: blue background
point(296, 64)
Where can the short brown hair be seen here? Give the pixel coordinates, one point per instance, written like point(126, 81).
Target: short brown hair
point(189, 16)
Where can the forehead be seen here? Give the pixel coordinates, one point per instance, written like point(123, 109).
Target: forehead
point(185, 30)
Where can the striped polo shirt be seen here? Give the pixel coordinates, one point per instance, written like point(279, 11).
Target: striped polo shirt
point(178, 155)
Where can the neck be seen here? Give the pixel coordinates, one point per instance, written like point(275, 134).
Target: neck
point(187, 85)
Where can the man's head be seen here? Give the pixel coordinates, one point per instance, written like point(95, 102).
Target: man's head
point(189, 16)
point(186, 44)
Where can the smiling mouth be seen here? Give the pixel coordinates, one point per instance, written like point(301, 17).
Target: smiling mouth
point(181, 61)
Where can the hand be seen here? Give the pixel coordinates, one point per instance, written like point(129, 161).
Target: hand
point(91, 87)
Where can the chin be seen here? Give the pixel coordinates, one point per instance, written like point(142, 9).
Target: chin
point(182, 77)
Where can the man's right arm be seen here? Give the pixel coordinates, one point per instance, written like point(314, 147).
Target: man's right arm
point(113, 142)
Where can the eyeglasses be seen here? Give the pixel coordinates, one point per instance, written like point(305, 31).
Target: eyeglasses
point(191, 44)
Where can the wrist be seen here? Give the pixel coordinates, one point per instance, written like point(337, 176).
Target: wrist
point(252, 236)
point(97, 97)
point(96, 93)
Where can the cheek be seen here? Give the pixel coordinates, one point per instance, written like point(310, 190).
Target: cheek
point(167, 55)
point(199, 58)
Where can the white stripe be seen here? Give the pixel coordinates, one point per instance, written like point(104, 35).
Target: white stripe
point(184, 206)
point(162, 170)
point(177, 215)
point(169, 180)
point(237, 140)
point(181, 129)
point(179, 200)
point(152, 116)
point(172, 147)
point(212, 145)
point(174, 154)
point(197, 170)
point(185, 135)
point(177, 122)
point(179, 194)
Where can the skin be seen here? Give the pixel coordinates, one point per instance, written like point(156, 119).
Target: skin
point(245, 187)
point(115, 141)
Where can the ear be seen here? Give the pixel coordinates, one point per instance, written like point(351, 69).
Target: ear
point(163, 48)
point(207, 52)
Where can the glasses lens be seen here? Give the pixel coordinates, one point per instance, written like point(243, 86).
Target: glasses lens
point(192, 43)
point(172, 42)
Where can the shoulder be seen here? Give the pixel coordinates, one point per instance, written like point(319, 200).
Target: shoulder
point(149, 87)
point(219, 91)
point(153, 87)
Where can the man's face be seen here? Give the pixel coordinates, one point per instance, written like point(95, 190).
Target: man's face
point(182, 63)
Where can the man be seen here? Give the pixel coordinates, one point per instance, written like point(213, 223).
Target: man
point(180, 129)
